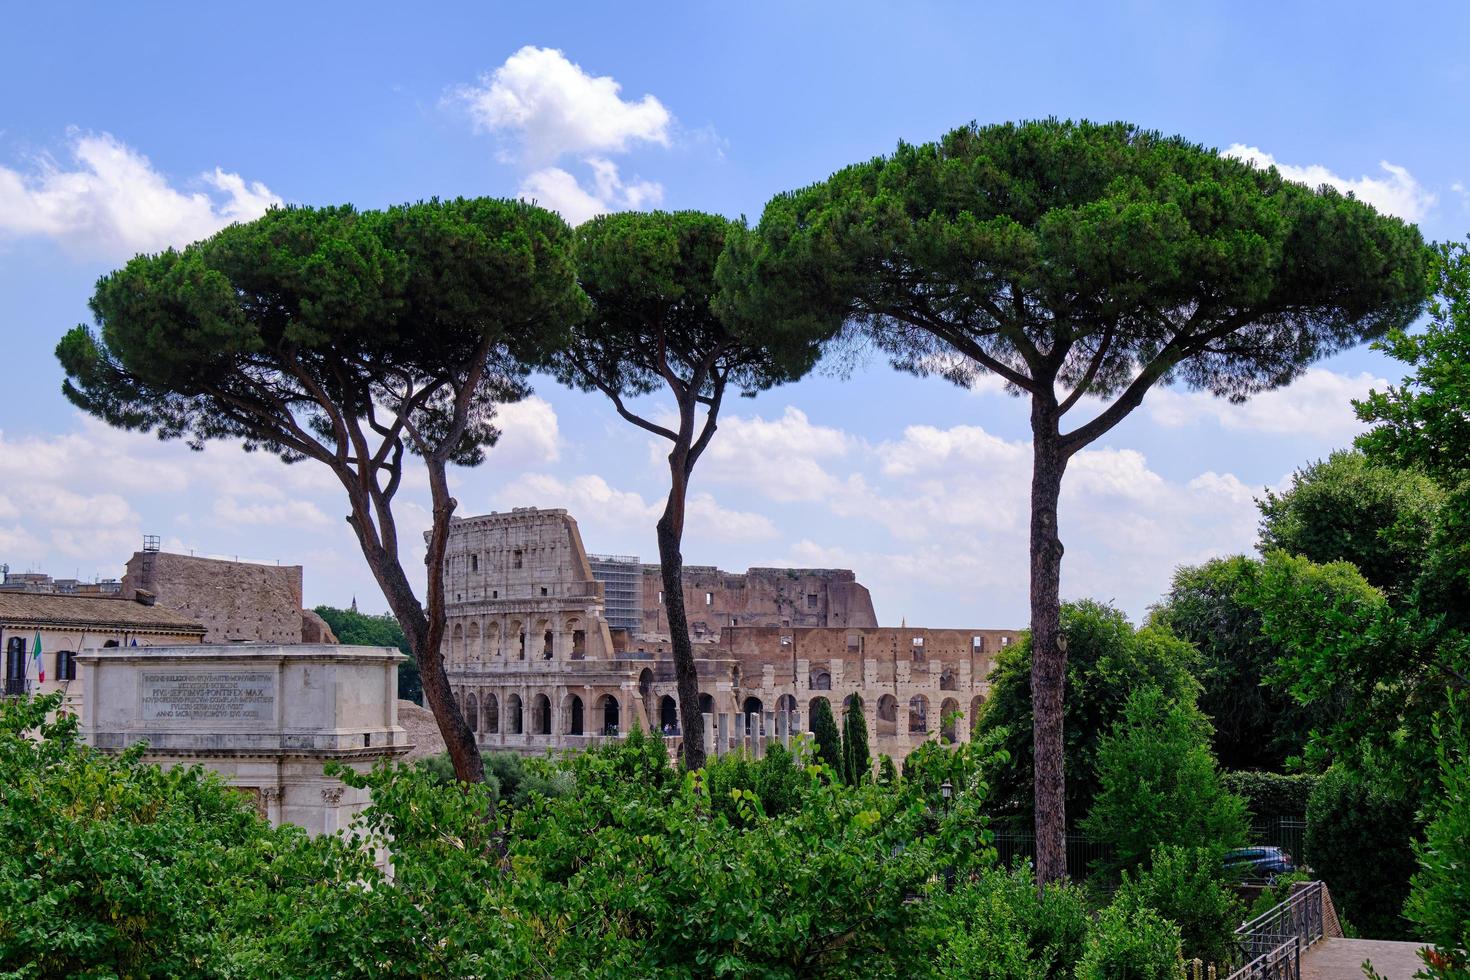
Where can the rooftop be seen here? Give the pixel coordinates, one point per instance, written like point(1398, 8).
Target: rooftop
point(31, 609)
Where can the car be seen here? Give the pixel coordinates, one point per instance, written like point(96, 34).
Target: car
point(1259, 862)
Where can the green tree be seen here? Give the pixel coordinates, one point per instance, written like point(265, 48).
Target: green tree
point(353, 339)
point(1106, 660)
point(1360, 837)
point(650, 278)
point(1131, 942)
point(827, 737)
point(1258, 724)
point(1185, 885)
point(1082, 264)
point(1439, 902)
point(364, 629)
point(857, 763)
point(1347, 508)
point(1158, 784)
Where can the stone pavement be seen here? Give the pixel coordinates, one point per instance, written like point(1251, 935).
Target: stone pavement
point(1342, 959)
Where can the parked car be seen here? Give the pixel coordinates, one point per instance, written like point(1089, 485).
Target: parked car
point(1259, 862)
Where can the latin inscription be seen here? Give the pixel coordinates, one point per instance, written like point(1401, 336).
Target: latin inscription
point(242, 695)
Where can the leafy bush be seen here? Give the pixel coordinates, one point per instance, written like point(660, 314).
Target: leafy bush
point(1440, 900)
point(1159, 785)
point(775, 781)
point(1272, 794)
point(1130, 942)
point(1184, 885)
point(997, 925)
point(1359, 840)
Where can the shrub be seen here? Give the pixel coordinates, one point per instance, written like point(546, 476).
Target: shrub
point(1359, 840)
point(1440, 900)
point(997, 925)
point(1159, 785)
point(887, 774)
point(1184, 886)
point(1130, 942)
point(1272, 794)
point(828, 739)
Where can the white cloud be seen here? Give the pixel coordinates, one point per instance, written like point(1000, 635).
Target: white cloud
point(1318, 405)
point(558, 190)
point(290, 513)
point(529, 433)
point(113, 203)
point(553, 107)
point(779, 457)
point(1397, 192)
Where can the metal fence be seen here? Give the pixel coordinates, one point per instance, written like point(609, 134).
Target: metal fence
point(1270, 946)
point(1082, 852)
point(1286, 833)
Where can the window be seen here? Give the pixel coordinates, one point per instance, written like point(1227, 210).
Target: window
point(474, 563)
point(543, 591)
point(977, 643)
point(709, 598)
point(1005, 641)
point(660, 598)
point(515, 558)
point(495, 593)
point(811, 600)
point(66, 665)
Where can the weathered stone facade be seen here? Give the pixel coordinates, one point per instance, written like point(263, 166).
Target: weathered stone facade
point(715, 599)
point(535, 666)
point(238, 602)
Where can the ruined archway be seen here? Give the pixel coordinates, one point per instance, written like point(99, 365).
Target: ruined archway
point(887, 724)
point(472, 713)
point(513, 717)
point(668, 715)
point(949, 719)
point(608, 714)
point(572, 716)
point(918, 715)
point(541, 715)
point(492, 715)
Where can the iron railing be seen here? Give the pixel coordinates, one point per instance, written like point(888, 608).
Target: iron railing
point(1082, 852)
point(1270, 946)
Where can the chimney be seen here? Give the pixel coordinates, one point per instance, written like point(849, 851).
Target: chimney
point(143, 597)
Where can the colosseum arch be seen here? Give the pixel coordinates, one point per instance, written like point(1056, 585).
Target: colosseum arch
point(474, 653)
point(492, 714)
point(541, 715)
point(811, 710)
point(949, 678)
point(918, 715)
point(887, 715)
point(975, 704)
point(608, 715)
point(517, 634)
point(668, 715)
point(492, 639)
point(949, 717)
point(706, 704)
point(578, 633)
point(573, 716)
point(472, 712)
point(513, 717)
point(544, 638)
point(456, 644)
point(820, 678)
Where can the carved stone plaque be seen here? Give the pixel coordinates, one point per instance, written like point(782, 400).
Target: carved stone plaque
point(234, 695)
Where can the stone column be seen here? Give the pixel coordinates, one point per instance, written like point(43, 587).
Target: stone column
point(707, 733)
point(722, 734)
point(272, 796)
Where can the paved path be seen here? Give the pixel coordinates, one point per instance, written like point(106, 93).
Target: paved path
point(1342, 959)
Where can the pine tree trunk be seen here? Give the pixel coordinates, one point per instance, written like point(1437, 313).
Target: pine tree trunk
point(1048, 655)
point(671, 565)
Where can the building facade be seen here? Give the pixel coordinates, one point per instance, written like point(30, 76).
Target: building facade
point(535, 665)
point(238, 602)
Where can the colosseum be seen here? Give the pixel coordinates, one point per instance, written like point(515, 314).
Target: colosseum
point(550, 648)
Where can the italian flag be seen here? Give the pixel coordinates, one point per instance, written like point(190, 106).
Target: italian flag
point(40, 664)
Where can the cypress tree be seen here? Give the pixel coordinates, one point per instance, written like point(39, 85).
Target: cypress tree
point(856, 763)
point(829, 741)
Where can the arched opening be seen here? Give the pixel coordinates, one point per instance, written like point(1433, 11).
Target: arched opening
point(474, 653)
point(949, 718)
point(706, 704)
point(472, 713)
point(543, 629)
point(918, 715)
point(753, 706)
point(579, 639)
point(492, 715)
point(668, 715)
point(513, 717)
point(517, 635)
point(456, 645)
point(492, 640)
point(887, 715)
point(572, 712)
point(608, 713)
point(786, 707)
point(975, 703)
point(821, 679)
point(541, 715)
point(811, 710)
point(949, 680)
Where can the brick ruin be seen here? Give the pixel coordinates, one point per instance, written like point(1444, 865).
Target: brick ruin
point(535, 664)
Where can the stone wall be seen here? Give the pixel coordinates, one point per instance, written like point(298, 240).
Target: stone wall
point(237, 602)
point(792, 597)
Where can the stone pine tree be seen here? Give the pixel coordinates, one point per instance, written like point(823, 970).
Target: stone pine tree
point(651, 280)
point(857, 764)
point(1081, 264)
point(825, 734)
point(356, 340)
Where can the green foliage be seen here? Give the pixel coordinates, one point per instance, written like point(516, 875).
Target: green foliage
point(828, 739)
point(1106, 660)
point(1347, 508)
point(1359, 840)
point(1439, 903)
point(887, 774)
point(115, 867)
point(997, 925)
point(1272, 794)
point(1131, 942)
point(1158, 784)
point(362, 629)
point(1184, 885)
point(1278, 891)
point(857, 764)
point(774, 781)
point(1257, 724)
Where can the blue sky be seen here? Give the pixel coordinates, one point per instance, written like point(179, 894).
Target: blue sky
point(132, 127)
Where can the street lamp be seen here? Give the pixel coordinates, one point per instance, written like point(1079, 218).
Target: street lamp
point(947, 791)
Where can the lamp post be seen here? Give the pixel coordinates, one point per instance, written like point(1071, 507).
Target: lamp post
point(946, 790)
